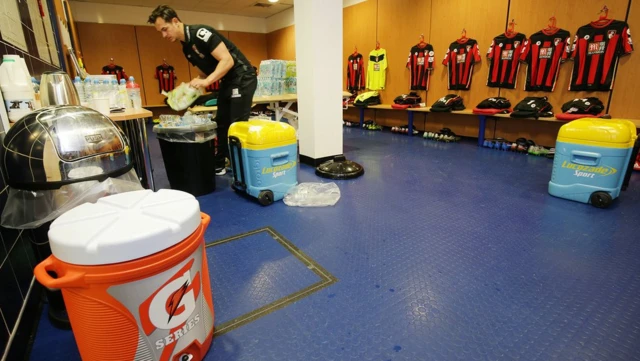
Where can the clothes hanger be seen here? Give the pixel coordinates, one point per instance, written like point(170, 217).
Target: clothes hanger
point(111, 63)
point(604, 16)
point(463, 38)
point(164, 63)
point(552, 24)
point(377, 45)
point(355, 50)
point(511, 30)
point(421, 43)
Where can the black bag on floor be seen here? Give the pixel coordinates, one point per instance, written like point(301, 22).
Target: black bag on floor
point(448, 103)
point(533, 107)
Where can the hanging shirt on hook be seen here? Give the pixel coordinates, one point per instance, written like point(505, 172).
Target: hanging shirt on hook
point(543, 52)
point(459, 59)
point(595, 51)
point(166, 77)
point(355, 72)
point(504, 56)
point(420, 63)
point(116, 70)
point(377, 69)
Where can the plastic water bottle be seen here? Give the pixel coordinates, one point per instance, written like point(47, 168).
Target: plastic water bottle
point(88, 91)
point(36, 84)
point(113, 93)
point(133, 89)
point(97, 89)
point(80, 89)
point(123, 96)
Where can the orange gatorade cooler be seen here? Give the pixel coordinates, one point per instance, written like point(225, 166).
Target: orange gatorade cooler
point(133, 273)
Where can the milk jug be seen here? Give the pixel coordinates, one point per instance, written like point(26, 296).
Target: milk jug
point(16, 86)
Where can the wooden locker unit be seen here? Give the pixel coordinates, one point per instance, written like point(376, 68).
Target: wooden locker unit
point(531, 17)
point(464, 14)
point(359, 29)
point(624, 103)
point(153, 49)
point(281, 44)
point(252, 45)
point(400, 22)
point(100, 42)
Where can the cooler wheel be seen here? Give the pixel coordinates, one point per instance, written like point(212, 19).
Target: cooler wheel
point(265, 197)
point(601, 199)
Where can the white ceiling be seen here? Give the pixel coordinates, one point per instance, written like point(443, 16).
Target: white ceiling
point(232, 7)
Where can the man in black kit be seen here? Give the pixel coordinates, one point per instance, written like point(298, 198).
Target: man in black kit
point(217, 58)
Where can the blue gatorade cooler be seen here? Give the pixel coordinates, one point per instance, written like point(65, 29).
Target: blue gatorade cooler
point(591, 160)
point(264, 158)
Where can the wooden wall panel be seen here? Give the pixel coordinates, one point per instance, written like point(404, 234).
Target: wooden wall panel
point(446, 29)
point(281, 44)
point(400, 23)
point(153, 49)
point(252, 45)
point(358, 31)
point(624, 99)
point(570, 15)
point(103, 41)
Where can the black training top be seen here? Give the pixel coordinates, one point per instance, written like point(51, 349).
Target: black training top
point(201, 40)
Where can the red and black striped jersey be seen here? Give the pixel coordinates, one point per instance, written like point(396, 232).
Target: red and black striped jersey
point(504, 56)
point(543, 52)
point(355, 72)
point(595, 51)
point(460, 57)
point(420, 63)
point(116, 70)
point(166, 77)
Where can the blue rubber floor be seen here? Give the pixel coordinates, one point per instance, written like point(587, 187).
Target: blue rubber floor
point(440, 251)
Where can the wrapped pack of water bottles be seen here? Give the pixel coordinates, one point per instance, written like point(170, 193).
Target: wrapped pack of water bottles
point(273, 68)
point(291, 85)
point(270, 87)
point(291, 70)
point(277, 77)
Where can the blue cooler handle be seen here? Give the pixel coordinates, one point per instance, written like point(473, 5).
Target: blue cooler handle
point(279, 159)
point(235, 145)
point(585, 158)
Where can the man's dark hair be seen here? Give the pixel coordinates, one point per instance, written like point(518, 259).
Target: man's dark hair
point(164, 12)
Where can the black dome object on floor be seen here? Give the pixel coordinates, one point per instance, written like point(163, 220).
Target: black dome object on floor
point(339, 168)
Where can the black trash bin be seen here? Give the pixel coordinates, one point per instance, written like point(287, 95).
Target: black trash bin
point(188, 153)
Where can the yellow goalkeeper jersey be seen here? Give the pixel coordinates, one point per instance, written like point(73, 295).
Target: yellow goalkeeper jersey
point(377, 69)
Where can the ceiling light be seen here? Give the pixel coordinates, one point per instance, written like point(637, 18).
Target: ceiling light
point(273, 1)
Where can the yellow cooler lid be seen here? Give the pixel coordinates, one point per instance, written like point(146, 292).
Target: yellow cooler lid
point(261, 134)
point(617, 133)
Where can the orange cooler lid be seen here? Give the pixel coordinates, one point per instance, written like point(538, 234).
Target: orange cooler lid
point(124, 227)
